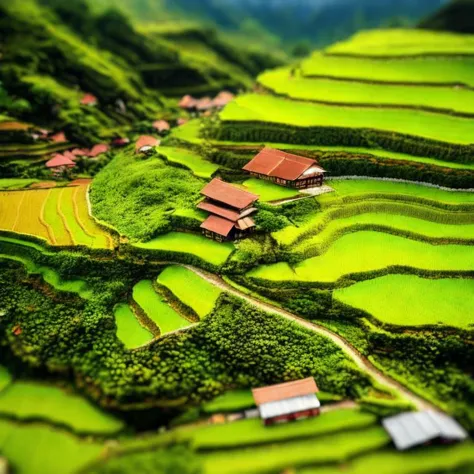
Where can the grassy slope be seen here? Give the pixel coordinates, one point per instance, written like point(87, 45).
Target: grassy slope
point(269, 191)
point(166, 318)
point(32, 401)
point(199, 166)
point(359, 93)
point(454, 70)
point(16, 183)
point(5, 378)
point(368, 251)
point(209, 250)
point(129, 330)
point(411, 301)
point(266, 108)
point(399, 42)
point(191, 289)
point(32, 447)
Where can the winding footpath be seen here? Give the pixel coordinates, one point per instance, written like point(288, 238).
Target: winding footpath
point(362, 362)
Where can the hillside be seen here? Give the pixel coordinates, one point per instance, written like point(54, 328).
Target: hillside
point(457, 16)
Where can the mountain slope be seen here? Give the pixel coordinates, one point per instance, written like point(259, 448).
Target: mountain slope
point(458, 16)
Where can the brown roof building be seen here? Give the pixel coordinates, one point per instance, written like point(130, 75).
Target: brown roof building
point(287, 401)
point(286, 169)
point(229, 209)
point(146, 143)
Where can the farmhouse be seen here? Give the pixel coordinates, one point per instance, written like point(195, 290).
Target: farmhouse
point(89, 100)
point(411, 429)
point(145, 144)
point(60, 163)
point(161, 126)
point(229, 209)
point(99, 149)
point(286, 169)
point(287, 401)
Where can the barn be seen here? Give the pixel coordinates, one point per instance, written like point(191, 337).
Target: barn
point(287, 401)
point(229, 209)
point(286, 169)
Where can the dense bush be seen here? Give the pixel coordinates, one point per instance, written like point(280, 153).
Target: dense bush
point(138, 196)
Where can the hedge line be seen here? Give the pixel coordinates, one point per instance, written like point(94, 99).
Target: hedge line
point(263, 132)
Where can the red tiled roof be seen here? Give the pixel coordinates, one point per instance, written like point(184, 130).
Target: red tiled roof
point(97, 150)
point(69, 155)
point(218, 225)
point(206, 103)
point(223, 98)
point(146, 140)
point(188, 102)
point(59, 137)
point(161, 125)
point(282, 391)
point(80, 152)
point(228, 194)
point(220, 211)
point(89, 99)
point(279, 164)
point(58, 161)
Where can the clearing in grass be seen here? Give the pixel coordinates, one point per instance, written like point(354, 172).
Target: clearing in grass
point(209, 250)
point(271, 109)
point(198, 165)
point(156, 308)
point(129, 330)
point(190, 288)
point(408, 300)
point(420, 70)
point(269, 191)
point(367, 251)
point(297, 87)
point(25, 400)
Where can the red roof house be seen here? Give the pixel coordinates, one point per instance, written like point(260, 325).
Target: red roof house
point(188, 102)
point(59, 137)
point(60, 161)
point(287, 401)
point(80, 152)
point(286, 169)
point(97, 150)
point(229, 209)
point(222, 99)
point(146, 143)
point(204, 104)
point(161, 126)
point(89, 99)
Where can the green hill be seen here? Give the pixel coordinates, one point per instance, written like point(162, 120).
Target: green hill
point(457, 16)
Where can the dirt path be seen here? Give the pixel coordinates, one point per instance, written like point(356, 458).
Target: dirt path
point(361, 362)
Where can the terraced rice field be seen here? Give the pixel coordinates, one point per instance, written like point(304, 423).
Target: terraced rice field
point(198, 165)
point(403, 42)
point(408, 300)
point(59, 215)
point(209, 250)
point(441, 98)
point(368, 251)
point(129, 330)
point(190, 288)
point(419, 70)
point(30, 446)
point(28, 401)
point(156, 308)
point(270, 109)
point(268, 191)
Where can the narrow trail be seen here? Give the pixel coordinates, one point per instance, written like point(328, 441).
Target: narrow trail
point(361, 361)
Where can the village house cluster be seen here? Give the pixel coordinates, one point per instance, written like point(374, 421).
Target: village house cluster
point(206, 104)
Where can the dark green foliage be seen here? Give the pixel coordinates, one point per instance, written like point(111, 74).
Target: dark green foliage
point(456, 16)
point(173, 460)
point(138, 195)
point(268, 221)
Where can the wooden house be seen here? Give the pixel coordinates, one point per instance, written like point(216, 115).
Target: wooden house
point(286, 169)
point(287, 401)
point(60, 164)
point(229, 209)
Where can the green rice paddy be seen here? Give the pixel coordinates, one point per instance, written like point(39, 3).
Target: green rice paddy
point(423, 69)
point(369, 251)
point(253, 432)
point(198, 165)
point(352, 187)
point(16, 183)
point(365, 94)
point(270, 109)
point(190, 288)
point(269, 191)
point(156, 308)
point(408, 300)
point(209, 250)
point(25, 400)
point(34, 448)
point(404, 42)
point(129, 330)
